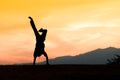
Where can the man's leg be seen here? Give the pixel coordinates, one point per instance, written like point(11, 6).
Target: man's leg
point(45, 54)
point(34, 60)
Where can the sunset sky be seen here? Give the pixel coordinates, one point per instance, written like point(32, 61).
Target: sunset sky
point(74, 27)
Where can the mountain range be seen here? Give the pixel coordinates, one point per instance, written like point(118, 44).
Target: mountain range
point(98, 56)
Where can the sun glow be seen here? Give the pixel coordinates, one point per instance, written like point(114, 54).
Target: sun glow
point(74, 27)
point(78, 26)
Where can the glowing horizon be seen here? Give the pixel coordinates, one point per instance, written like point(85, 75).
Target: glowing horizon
point(74, 27)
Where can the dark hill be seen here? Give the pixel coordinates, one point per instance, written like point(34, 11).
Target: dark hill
point(98, 56)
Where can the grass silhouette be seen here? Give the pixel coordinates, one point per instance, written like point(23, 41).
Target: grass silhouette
point(59, 72)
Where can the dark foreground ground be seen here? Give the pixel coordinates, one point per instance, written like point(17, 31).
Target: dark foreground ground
point(60, 72)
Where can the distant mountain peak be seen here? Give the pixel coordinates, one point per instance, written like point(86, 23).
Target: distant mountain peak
point(98, 56)
point(111, 48)
point(108, 48)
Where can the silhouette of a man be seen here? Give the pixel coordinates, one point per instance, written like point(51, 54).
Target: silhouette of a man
point(39, 49)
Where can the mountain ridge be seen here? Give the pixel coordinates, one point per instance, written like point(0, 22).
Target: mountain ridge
point(97, 56)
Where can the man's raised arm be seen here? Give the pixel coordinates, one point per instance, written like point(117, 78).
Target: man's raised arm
point(33, 27)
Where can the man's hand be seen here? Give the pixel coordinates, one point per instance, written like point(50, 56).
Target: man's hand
point(30, 17)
